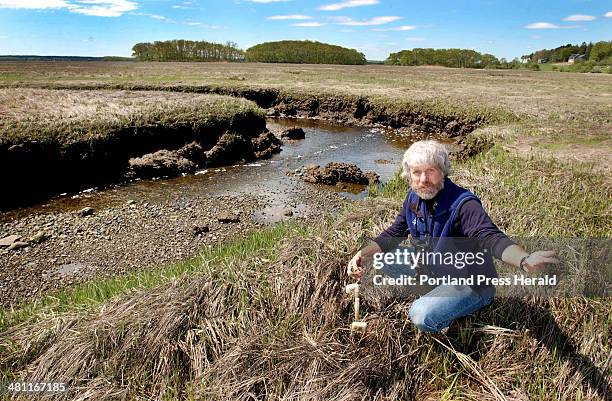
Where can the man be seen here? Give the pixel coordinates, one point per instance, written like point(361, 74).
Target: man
point(443, 217)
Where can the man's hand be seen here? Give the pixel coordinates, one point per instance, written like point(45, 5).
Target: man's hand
point(354, 267)
point(538, 260)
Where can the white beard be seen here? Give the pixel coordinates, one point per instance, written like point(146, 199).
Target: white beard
point(430, 192)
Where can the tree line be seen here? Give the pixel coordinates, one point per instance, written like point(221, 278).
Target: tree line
point(599, 53)
point(287, 51)
point(187, 50)
point(303, 51)
point(312, 52)
point(458, 58)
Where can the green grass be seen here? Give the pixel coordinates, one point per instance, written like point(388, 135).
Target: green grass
point(11, 77)
point(531, 196)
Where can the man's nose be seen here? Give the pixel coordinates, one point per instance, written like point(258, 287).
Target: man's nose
point(423, 177)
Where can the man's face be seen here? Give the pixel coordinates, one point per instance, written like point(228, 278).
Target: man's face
point(426, 181)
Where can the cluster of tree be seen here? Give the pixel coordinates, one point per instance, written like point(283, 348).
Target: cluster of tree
point(187, 50)
point(303, 51)
point(458, 58)
point(599, 53)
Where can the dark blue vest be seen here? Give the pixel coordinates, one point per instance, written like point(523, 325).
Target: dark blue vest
point(436, 232)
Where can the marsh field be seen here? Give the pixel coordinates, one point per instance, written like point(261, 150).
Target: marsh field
point(257, 310)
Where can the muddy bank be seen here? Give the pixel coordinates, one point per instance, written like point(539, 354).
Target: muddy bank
point(45, 153)
point(43, 167)
point(355, 110)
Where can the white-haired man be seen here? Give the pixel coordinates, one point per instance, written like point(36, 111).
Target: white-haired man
point(440, 217)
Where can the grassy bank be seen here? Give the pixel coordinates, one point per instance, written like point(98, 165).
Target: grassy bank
point(57, 141)
point(267, 317)
point(68, 117)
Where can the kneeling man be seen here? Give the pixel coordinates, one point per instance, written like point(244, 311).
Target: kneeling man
point(443, 218)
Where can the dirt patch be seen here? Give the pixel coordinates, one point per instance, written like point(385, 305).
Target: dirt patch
point(334, 173)
point(265, 145)
point(469, 146)
point(64, 249)
point(598, 156)
point(293, 134)
point(160, 163)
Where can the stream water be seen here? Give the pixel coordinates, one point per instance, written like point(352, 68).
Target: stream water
point(372, 149)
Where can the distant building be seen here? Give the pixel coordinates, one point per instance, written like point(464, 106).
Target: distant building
point(543, 60)
point(576, 57)
point(525, 60)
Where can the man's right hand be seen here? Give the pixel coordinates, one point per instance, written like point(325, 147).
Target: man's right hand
point(354, 267)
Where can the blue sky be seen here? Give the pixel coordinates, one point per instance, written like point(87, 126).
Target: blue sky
point(505, 28)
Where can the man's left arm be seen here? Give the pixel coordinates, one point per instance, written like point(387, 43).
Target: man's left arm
point(474, 222)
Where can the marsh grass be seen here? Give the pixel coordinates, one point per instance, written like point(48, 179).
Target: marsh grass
point(266, 317)
point(67, 117)
point(519, 92)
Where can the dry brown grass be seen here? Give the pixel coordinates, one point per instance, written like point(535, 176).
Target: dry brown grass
point(66, 116)
point(257, 329)
point(540, 94)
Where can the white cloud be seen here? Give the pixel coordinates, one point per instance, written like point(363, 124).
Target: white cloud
point(102, 8)
point(292, 16)
point(542, 25)
point(3, 37)
point(98, 8)
point(397, 28)
point(413, 39)
point(348, 4)
point(267, 1)
point(608, 14)
point(33, 4)
point(202, 25)
point(579, 17)
point(368, 22)
point(154, 16)
point(308, 24)
point(184, 5)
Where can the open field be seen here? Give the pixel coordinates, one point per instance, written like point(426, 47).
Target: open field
point(265, 317)
point(549, 106)
point(536, 94)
